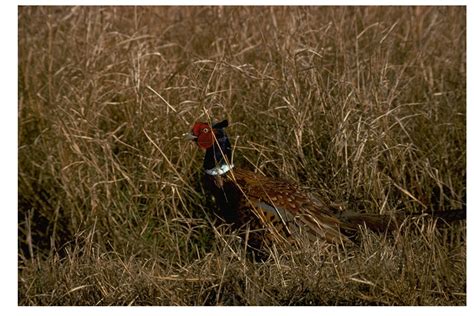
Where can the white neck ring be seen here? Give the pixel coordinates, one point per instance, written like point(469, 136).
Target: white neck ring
point(219, 170)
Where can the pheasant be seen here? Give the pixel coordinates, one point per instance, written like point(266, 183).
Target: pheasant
point(272, 208)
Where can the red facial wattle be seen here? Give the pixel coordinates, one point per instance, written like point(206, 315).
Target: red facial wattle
point(205, 135)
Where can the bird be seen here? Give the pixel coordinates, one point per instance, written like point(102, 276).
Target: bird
point(273, 209)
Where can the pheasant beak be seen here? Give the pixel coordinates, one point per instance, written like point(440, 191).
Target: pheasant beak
point(189, 136)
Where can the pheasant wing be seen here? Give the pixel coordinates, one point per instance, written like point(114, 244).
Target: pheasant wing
point(280, 205)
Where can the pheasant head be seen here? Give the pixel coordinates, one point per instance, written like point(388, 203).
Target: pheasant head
point(213, 139)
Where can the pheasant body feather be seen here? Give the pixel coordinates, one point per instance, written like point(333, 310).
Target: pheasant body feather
point(244, 197)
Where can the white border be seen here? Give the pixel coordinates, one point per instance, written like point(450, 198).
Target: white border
point(469, 148)
point(9, 165)
point(9, 169)
point(247, 2)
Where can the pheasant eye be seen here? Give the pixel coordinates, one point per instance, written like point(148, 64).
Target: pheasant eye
point(205, 130)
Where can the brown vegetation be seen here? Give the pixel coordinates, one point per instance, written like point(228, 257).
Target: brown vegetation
point(364, 105)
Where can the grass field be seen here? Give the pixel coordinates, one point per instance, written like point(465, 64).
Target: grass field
point(365, 106)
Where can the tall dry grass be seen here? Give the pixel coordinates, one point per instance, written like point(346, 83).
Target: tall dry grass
point(362, 105)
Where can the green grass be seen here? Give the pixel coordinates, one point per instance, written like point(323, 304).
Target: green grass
point(365, 106)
